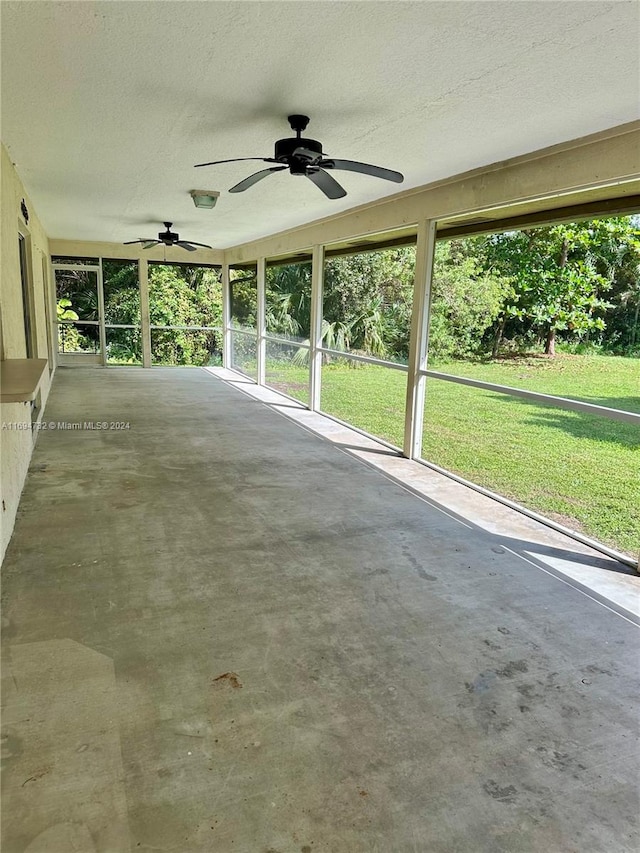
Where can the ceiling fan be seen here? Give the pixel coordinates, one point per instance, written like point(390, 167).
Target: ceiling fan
point(168, 238)
point(305, 157)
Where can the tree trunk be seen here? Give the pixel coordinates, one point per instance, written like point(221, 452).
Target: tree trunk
point(564, 254)
point(634, 328)
point(498, 336)
point(550, 343)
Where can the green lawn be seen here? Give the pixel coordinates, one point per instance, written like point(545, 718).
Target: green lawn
point(582, 470)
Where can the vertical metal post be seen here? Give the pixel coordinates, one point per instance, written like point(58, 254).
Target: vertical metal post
point(419, 342)
point(50, 312)
point(315, 336)
point(145, 321)
point(101, 329)
point(261, 318)
point(226, 318)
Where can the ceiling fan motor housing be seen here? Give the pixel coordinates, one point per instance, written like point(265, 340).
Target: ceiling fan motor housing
point(168, 237)
point(286, 147)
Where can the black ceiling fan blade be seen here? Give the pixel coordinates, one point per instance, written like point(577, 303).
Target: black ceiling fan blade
point(364, 168)
point(141, 240)
point(184, 245)
point(307, 154)
point(236, 160)
point(193, 243)
point(329, 186)
point(253, 179)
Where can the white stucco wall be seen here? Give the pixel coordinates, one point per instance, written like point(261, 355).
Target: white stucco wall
point(16, 445)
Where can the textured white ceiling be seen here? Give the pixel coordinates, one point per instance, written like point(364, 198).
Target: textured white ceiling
point(106, 106)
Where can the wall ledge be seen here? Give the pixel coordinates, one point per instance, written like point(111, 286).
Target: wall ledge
point(20, 379)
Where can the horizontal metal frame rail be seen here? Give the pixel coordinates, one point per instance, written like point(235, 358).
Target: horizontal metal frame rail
point(121, 326)
point(274, 339)
point(77, 267)
point(623, 206)
point(365, 359)
point(250, 333)
point(547, 399)
point(186, 328)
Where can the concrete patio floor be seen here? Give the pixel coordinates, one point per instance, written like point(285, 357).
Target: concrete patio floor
point(223, 633)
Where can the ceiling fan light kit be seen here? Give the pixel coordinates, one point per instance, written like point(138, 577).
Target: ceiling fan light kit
point(303, 156)
point(205, 199)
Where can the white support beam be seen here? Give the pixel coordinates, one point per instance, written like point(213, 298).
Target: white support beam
point(419, 341)
point(50, 296)
point(315, 338)
point(120, 252)
point(261, 318)
point(145, 322)
point(102, 330)
point(226, 318)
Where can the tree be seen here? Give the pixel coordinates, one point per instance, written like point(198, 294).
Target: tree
point(184, 295)
point(367, 301)
point(288, 300)
point(617, 256)
point(465, 301)
point(556, 282)
point(244, 299)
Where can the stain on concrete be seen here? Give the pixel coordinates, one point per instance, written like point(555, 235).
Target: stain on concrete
point(370, 573)
point(482, 682)
point(37, 775)
point(593, 669)
point(230, 678)
point(10, 747)
point(512, 669)
point(507, 794)
point(426, 577)
point(416, 565)
point(494, 722)
point(553, 757)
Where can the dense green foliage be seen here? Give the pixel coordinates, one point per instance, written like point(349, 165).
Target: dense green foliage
point(185, 296)
point(179, 295)
point(567, 277)
point(466, 300)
